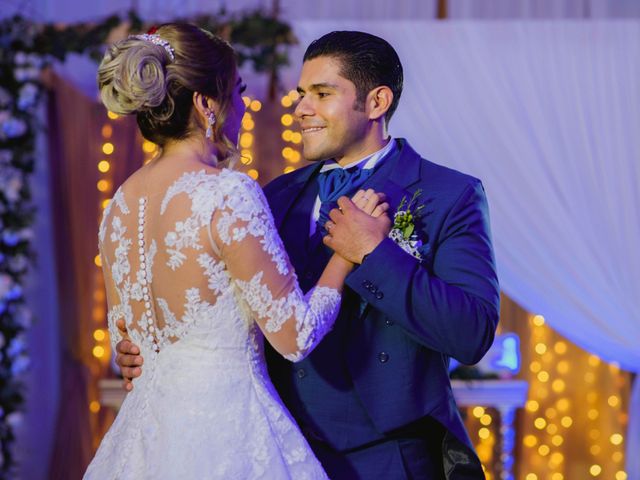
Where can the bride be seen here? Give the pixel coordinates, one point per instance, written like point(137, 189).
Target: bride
point(194, 267)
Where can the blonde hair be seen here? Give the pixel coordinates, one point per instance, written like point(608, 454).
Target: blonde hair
point(139, 77)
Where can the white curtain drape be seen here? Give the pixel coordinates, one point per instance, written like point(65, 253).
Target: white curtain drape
point(547, 114)
point(74, 10)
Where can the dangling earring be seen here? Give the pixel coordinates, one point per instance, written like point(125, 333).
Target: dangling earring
point(211, 120)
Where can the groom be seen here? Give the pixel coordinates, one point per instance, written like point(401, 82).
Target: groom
point(374, 398)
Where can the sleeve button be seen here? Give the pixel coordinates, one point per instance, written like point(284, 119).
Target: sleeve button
point(379, 295)
point(383, 357)
point(301, 373)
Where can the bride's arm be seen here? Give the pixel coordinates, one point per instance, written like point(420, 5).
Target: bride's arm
point(245, 235)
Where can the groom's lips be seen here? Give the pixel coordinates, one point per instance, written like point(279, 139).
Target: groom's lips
point(311, 129)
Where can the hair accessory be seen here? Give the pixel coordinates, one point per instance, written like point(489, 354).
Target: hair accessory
point(156, 40)
point(152, 30)
point(211, 119)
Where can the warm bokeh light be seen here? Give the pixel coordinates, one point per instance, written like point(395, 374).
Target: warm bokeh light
point(296, 137)
point(538, 320)
point(97, 260)
point(544, 450)
point(148, 147)
point(592, 414)
point(99, 334)
point(246, 140)
point(253, 173)
point(532, 406)
point(613, 401)
point(595, 470)
point(540, 423)
point(621, 475)
point(484, 433)
point(107, 130)
point(246, 100)
point(94, 407)
point(107, 148)
point(557, 440)
point(485, 419)
point(105, 202)
point(560, 348)
point(557, 476)
point(531, 476)
point(287, 135)
point(616, 439)
point(562, 366)
point(102, 185)
point(563, 404)
point(595, 449)
point(288, 169)
point(255, 105)
point(295, 156)
point(566, 421)
point(478, 412)
point(540, 348)
point(98, 351)
point(530, 441)
point(104, 166)
point(286, 101)
point(286, 120)
point(113, 116)
point(593, 360)
point(293, 95)
point(543, 376)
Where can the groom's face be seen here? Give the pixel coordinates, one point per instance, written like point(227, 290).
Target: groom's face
point(333, 123)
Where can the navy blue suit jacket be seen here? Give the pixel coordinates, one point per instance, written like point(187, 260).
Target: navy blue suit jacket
point(393, 355)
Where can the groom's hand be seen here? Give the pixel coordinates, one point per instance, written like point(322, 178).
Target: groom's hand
point(352, 233)
point(128, 357)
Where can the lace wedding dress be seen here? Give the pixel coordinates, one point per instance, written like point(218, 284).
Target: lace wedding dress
point(197, 271)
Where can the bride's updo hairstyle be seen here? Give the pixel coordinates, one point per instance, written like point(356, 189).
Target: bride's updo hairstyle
point(137, 76)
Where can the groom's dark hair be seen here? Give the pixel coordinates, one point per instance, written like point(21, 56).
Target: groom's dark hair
point(367, 61)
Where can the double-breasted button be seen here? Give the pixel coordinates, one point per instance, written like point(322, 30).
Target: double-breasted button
point(366, 284)
point(301, 373)
point(383, 357)
point(389, 322)
point(379, 295)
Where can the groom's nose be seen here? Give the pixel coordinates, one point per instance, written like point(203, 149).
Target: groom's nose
point(303, 108)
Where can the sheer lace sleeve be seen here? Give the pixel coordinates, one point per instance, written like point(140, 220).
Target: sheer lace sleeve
point(249, 245)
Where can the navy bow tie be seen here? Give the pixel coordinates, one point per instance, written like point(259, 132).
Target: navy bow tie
point(334, 184)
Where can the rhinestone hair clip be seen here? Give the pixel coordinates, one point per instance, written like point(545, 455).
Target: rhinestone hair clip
point(156, 40)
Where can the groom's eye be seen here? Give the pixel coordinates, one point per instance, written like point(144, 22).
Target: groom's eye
point(323, 94)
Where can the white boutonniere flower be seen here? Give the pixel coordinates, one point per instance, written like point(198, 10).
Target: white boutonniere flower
point(404, 225)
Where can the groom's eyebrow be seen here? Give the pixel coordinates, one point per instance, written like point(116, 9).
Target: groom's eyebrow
point(318, 86)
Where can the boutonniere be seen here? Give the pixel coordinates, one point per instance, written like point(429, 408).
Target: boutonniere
point(403, 231)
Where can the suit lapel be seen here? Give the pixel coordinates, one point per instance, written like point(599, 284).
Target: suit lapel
point(397, 174)
point(282, 200)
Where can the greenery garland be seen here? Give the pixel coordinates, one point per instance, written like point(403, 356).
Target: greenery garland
point(26, 48)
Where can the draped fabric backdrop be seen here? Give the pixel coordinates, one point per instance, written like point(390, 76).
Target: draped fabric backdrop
point(74, 150)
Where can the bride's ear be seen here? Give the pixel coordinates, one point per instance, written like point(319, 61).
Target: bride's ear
point(204, 106)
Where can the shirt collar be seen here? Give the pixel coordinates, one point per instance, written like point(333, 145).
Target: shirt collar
point(365, 163)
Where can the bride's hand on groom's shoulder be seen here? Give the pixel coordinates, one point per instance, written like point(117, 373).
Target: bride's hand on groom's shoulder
point(128, 357)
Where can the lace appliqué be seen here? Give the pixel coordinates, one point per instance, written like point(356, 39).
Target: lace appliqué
point(314, 314)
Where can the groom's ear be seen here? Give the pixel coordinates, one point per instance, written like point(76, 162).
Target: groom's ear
point(379, 100)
